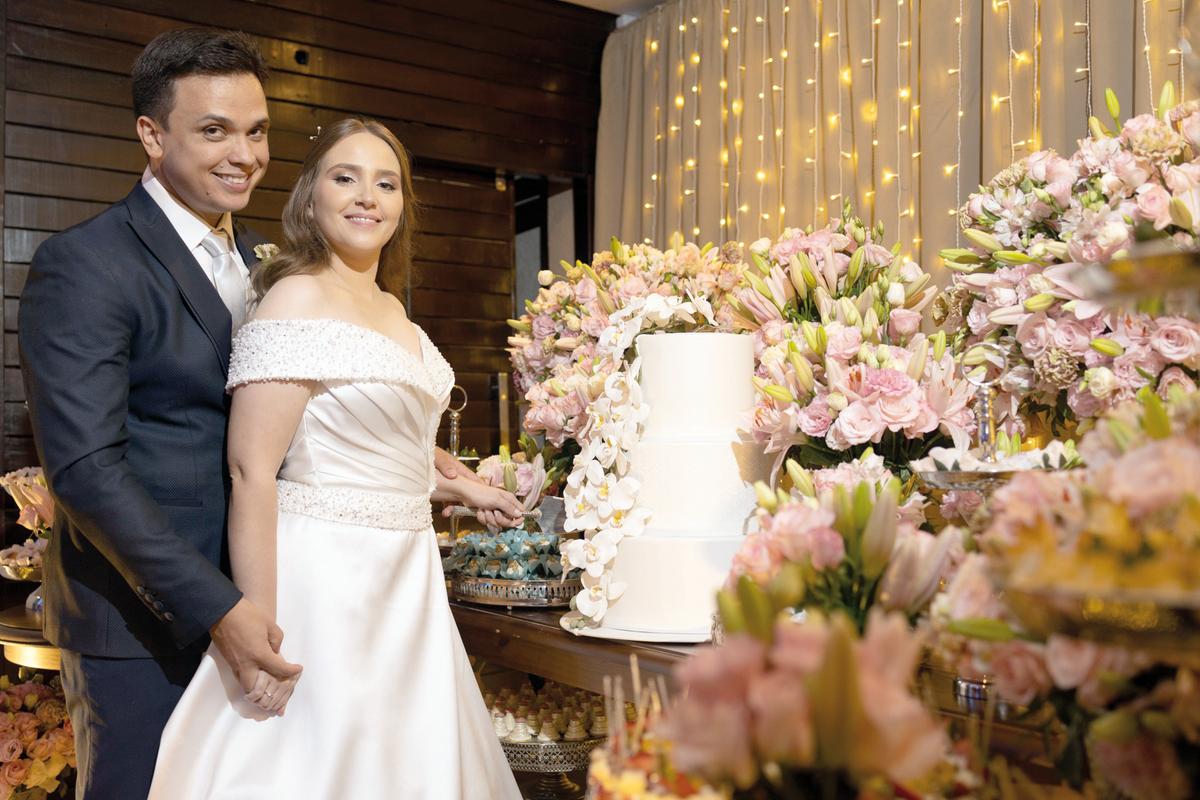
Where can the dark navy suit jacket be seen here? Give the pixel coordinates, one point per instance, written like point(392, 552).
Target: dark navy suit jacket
point(124, 350)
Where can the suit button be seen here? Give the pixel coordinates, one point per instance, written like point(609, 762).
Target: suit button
point(168, 616)
point(158, 605)
point(141, 590)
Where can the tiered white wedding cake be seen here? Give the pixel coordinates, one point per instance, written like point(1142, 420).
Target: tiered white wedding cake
point(697, 481)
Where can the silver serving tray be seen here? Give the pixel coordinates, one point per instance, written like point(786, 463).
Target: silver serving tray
point(960, 480)
point(15, 573)
point(512, 594)
point(550, 757)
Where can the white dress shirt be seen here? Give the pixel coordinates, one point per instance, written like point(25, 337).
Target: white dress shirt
point(191, 228)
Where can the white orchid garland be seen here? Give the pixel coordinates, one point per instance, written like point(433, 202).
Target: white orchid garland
point(601, 494)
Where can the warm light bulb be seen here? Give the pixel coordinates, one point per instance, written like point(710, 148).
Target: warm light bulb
point(888, 176)
point(949, 169)
point(733, 29)
point(695, 231)
point(782, 210)
point(905, 93)
point(833, 120)
point(695, 58)
point(691, 163)
point(724, 84)
point(696, 122)
point(653, 176)
point(783, 53)
point(679, 101)
point(737, 105)
point(724, 155)
point(760, 175)
point(648, 205)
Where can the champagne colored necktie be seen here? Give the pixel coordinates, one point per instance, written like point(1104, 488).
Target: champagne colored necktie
point(228, 276)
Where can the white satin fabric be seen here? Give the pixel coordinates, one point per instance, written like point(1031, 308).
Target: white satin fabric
point(387, 706)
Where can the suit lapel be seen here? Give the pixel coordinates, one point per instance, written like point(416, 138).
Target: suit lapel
point(199, 295)
point(246, 240)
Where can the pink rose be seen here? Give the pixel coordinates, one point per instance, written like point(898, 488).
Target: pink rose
point(62, 742)
point(14, 773)
point(1071, 336)
point(1100, 233)
point(844, 341)
point(10, 749)
point(754, 558)
point(858, 424)
point(898, 413)
point(543, 326)
point(1176, 339)
point(1132, 367)
point(815, 418)
point(903, 323)
point(1154, 205)
point(1182, 178)
point(40, 749)
point(1189, 126)
point(1132, 171)
point(1020, 672)
point(1174, 376)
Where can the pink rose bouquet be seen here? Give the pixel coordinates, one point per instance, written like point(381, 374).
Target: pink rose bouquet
point(829, 707)
point(1030, 229)
point(37, 744)
point(841, 541)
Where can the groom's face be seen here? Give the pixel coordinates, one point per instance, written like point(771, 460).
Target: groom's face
point(212, 151)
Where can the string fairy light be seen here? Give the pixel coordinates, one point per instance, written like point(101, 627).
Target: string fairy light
point(781, 125)
point(1146, 52)
point(900, 127)
point(1086, 27)
point(1012, 114)
point(838, 119)
point(958, 117)
point(1037, 77)
point(737, 141)
point(696, 92)
point(760, 174)
point(818, 16)
point(1182, 11)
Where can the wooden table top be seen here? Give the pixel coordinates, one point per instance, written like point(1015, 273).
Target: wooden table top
point(531, 640)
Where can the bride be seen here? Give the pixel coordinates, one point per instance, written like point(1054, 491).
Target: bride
point(336, 402)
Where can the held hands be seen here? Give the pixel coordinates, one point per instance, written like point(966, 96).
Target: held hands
point(249, 640)
point(451, 468)
point(497, 508)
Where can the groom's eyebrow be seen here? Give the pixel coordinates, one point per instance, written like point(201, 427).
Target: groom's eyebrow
point(209, 119)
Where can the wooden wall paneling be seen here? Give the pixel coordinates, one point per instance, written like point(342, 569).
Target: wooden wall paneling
point(4, 424)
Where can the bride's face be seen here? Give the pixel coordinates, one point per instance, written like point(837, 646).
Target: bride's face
point(358, 201)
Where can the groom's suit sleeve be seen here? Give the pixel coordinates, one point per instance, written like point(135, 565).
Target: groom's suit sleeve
point(76, 329)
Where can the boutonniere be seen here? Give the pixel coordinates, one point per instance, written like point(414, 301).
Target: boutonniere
point(266, 251)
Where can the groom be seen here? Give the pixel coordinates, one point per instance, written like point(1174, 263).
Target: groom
point(125, 329)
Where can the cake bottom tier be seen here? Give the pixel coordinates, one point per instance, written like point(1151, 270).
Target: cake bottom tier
point(670, 583)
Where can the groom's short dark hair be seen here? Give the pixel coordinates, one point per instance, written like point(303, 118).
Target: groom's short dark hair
point(189, 51)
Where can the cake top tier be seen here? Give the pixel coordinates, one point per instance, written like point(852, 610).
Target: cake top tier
point(697, 384)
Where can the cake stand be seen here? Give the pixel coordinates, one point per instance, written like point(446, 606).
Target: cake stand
point(552, 761)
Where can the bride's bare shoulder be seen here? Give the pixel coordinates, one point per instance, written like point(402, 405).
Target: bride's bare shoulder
point(295, 297)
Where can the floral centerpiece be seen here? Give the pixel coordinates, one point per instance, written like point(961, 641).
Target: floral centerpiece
point(28, 489)
point(806, 709)
point(1128, 704)
point(37, 744)
point(840, 541)
point(592, 396)
point(1035, 223)
point(841, 366)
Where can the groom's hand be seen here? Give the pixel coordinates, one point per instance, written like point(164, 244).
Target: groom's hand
point(249, 640)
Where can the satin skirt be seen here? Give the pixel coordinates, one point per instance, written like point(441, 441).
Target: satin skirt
point(387, 706)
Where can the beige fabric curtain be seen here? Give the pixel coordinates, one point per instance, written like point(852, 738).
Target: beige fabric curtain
point(729, 119)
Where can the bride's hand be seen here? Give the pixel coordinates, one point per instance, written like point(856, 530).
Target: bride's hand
point(496, 508)
point(271, 694)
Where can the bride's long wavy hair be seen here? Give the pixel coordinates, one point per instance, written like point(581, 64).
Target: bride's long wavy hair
point(304, 250)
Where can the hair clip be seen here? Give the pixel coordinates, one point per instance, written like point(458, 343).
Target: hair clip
point(315, 135)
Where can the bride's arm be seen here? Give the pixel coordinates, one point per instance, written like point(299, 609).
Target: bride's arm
point(262, 422)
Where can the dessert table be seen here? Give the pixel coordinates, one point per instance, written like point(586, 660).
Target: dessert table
point(530, 640)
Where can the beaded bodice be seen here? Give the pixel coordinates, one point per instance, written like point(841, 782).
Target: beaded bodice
point(363, 452)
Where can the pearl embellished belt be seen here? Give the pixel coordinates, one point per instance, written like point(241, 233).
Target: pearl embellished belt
point(393, 511)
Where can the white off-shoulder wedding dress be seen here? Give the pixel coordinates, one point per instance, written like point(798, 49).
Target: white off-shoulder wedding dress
point(387, 706)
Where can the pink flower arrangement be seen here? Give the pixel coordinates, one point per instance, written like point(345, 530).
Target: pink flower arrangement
point(37, 744)
point(841, 542)
point(811, 697)
point(832, 401)
point(1030, 229)
point(554, 348)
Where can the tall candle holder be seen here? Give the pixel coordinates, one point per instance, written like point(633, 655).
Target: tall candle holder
point(454, 445)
